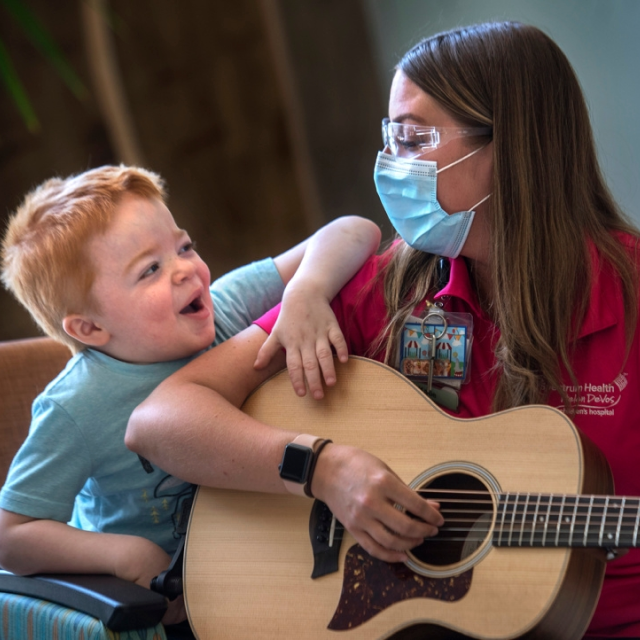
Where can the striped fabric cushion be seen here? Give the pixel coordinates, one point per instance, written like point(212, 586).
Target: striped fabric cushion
point(23, 618)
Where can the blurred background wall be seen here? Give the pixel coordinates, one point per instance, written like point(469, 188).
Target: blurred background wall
point(263, 115)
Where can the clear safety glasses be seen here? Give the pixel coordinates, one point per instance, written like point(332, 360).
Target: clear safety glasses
point(411, 140)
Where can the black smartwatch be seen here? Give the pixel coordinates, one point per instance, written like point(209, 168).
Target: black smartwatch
point(298, 463)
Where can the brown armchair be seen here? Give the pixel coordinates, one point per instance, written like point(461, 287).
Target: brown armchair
point(48, 606)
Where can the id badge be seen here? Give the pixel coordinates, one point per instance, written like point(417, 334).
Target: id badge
point(435, 353)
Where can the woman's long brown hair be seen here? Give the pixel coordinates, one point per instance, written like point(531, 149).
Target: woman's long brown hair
point(549, 201)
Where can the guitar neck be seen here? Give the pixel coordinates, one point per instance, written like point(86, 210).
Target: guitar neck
point(548, 520)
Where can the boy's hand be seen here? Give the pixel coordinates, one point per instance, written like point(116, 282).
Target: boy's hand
point(307, 329)
point(139, 560)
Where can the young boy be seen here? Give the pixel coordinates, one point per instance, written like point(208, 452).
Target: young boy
point(100, 264)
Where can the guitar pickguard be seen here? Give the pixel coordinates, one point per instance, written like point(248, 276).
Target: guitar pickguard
point(370, 586)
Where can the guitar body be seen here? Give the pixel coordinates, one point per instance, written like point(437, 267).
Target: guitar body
point(249, 557)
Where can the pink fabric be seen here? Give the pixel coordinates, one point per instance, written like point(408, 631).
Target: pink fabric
point(608, 409)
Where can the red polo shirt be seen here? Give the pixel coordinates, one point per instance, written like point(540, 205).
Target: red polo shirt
point(607, 407)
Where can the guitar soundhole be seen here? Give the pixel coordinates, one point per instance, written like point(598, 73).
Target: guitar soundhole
point(467, 507)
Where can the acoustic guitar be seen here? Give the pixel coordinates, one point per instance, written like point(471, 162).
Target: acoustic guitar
point(522, 553)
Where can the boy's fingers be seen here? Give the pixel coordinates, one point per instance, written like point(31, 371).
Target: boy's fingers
point(267, 351)
point(336, 337)
point(296, 372)
point(312, 374)
point(325, 359)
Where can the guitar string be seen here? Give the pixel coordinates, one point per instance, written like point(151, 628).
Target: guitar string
point(522, 495)
point(553, 525)
point(535, 533)
point(527, 533)
point(555, 518)
point(532, 538)
point(481, 535)
point(547, 502)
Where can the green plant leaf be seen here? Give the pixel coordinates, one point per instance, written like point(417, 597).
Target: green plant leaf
point(16, 91)
point(41, 38)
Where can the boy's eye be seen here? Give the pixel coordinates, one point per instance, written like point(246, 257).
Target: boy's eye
point(188, 246)
point(150, 271)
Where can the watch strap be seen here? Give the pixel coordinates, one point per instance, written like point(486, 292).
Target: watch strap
point(316, 454)
point(305, 440)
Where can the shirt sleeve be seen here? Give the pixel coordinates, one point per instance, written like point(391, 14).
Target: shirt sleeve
point(244, 294)
point(268, 320)
point(50, 468)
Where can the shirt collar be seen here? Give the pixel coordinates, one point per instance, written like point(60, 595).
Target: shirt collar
point(459, 286)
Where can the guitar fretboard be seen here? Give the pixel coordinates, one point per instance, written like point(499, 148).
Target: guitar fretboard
point(539, 520)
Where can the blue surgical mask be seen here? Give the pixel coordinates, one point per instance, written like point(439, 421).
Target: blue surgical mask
point(407, 189)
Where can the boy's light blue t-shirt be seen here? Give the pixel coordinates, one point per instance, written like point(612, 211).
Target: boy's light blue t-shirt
point(74, 466)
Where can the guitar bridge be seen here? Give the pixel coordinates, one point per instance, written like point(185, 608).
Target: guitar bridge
point(326, 535)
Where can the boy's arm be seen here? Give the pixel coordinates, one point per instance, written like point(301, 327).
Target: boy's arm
point(37, 501)
point(29, 545)
point(327, 247)
point(248, 292)
point(315, 271)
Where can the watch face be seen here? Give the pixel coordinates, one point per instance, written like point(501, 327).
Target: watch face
point(295, 463)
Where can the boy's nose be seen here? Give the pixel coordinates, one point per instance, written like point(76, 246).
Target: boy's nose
point(183, 270)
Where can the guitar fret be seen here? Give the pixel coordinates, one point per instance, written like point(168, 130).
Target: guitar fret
point(618, 528)
point(504, 513)
point(628, 523)
point(546, 522)
point(560, 516)
point(524, 518)
point(588, 523)
point(635, 527)
point(573, 521)
point(609, 512)
point(513, 516)
point(535, 519)
point(604, 517)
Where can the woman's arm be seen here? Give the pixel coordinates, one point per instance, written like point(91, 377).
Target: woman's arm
point(192, 428)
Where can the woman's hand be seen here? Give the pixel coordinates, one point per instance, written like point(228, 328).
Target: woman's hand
point(362, 492)
point(307, 329)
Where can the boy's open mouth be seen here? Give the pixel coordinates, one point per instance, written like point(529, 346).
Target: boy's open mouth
point(193, 307)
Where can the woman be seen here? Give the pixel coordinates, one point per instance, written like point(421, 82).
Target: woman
point(539, 257)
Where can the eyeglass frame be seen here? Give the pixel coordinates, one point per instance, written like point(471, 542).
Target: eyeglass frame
point(449, 132)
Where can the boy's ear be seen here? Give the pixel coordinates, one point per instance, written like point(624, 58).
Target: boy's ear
point(85, 330)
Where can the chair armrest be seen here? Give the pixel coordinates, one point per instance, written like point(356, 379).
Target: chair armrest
point(121, 605)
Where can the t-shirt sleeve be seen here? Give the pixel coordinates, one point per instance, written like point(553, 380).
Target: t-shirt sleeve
point(244, 294)
point(50, 468)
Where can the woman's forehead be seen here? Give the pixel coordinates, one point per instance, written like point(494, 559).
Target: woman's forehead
point(409, 103)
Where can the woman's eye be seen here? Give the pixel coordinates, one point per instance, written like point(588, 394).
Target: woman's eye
point(150, 271)
point(409, 144)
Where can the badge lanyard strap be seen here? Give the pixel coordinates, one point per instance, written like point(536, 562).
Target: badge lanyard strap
point(432, 337)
